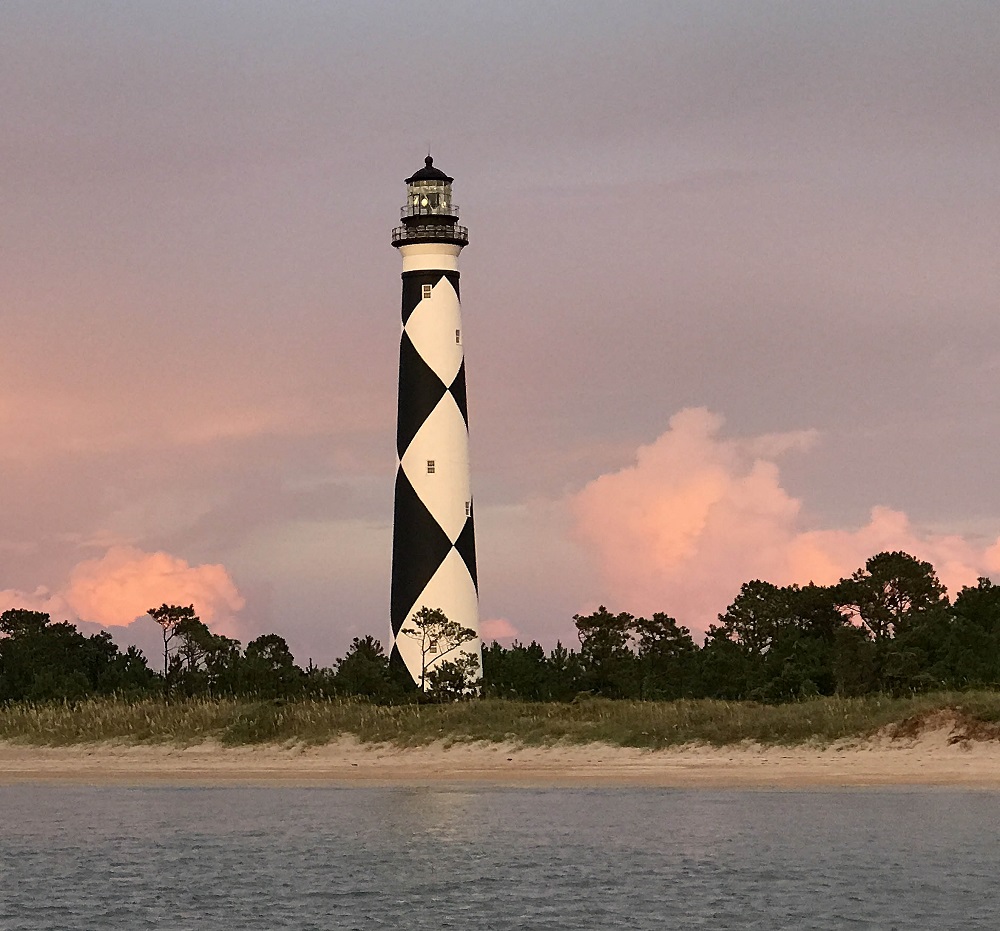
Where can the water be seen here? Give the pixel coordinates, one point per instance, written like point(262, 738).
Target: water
point(429, 858)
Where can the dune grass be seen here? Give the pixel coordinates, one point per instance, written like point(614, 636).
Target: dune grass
point(619, 723)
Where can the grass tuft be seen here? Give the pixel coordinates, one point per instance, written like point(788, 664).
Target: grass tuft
point(652, 725)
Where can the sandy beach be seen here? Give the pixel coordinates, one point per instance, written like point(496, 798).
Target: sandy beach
point(933, 758)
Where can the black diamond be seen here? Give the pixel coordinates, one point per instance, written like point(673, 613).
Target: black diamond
point(396, 659)
point(419, 546)
point(466, 547)
point(457, 390)
point(419, 392)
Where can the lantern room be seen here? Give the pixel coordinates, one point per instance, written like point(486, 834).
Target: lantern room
point(429, 214)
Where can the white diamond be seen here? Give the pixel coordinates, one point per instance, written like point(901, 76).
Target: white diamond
point(452, 591)
point(444, 440)
point(431, 328)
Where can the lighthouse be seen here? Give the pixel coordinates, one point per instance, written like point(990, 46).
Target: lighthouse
point(433, 537)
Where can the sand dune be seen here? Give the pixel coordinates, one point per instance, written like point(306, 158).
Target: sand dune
point(932, 758)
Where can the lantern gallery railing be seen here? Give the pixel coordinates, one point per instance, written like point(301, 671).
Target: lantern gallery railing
point(428, 210)
point(431, 232)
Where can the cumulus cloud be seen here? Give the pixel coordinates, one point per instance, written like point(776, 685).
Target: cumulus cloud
point(41, 599)
point(122, 585)
point(498, 628)
point(697, 514)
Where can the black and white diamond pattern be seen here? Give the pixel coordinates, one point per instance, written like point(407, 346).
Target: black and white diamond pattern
point(433, 545)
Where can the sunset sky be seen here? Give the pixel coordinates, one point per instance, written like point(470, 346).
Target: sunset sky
point(731, 299)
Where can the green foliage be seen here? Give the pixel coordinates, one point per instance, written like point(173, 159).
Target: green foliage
point(204, 663)
point(526, 672)
point(606, 654)
point(268, 669)
point(169, 617)
point(667, 658)
point(453, 679)
point(899, 601)
point(887, 629)
point(439, 637)
point(972, 653)
point(892, 594)
point(260, 722)
point(651, 725)
point(42, 661)
point(365, 672)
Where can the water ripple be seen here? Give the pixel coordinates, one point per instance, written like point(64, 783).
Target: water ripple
point(78, 859)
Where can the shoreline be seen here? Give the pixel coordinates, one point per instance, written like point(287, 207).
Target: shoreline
point(931, 759)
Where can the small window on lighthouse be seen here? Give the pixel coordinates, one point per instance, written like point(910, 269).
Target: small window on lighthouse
point(426, 292)
point(468, 509)
point(458, 336)
point(430, 466)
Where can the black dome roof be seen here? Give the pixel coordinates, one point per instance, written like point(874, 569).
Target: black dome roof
point(429, 173)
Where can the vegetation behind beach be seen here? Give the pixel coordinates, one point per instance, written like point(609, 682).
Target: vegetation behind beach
point(653, 725)
point(783, 664)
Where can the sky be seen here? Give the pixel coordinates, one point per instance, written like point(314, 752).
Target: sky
point(731, 301)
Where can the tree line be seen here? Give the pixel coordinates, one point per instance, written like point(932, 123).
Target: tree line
point(41, 660)
point(889, 627)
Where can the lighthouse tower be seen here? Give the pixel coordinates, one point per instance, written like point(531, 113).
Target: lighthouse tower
point(433, 541)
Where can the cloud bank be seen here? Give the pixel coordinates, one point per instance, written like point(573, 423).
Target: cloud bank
point(119, 587)
point(497, 628)
point(698, 514)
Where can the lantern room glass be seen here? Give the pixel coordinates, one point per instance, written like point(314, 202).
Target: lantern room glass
point(429, 198)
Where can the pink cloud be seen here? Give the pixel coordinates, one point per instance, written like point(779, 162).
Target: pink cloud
point(41, 599)
point(122, 585)
point(498, 629)
point(698, 514)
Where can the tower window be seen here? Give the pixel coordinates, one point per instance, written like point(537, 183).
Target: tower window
point(468, 509)
point(426, 291)
point(430, 466)
point(458, 336)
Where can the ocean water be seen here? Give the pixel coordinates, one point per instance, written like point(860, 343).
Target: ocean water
point(449, 858)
